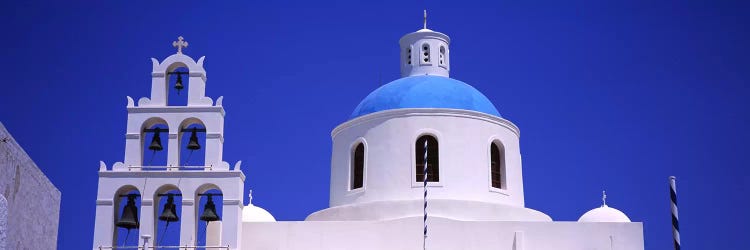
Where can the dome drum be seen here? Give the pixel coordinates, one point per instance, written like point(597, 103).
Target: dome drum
point(464, 138)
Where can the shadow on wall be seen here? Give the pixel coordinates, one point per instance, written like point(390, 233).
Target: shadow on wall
point(3, 222)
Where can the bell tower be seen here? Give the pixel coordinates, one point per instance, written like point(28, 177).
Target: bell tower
point(130, 192)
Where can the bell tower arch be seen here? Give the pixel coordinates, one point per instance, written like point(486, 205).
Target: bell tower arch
point(156, 129)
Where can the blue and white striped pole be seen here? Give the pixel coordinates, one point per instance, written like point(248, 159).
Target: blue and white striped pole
point(424, 178)
point(675, 218)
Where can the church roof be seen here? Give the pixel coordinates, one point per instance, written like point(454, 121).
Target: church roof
point(425, 91)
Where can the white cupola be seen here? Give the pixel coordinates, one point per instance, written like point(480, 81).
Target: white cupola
point(425, 52)
point(604, 213)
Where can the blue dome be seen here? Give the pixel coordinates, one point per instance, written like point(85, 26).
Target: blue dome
point(425, 92)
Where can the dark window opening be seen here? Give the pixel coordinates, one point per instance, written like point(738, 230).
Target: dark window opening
point(433, 170)
point(496, 166)
point(358, 166)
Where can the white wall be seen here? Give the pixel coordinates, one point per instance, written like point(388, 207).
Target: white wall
point(442, 234)
point(150, 183)
point(464, 139)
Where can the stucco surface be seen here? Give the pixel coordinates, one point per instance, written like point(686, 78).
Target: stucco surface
point(33, 201)
point(442, 234)
point(3, 222)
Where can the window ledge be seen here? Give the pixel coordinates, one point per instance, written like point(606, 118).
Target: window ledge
point(357, 191)
point(429, 184)
point(499, 191)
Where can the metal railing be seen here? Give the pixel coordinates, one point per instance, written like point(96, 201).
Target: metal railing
point(164, 247)
point(209, 167)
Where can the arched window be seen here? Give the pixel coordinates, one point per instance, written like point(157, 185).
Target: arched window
point(155, 143)
point(210, 202)
point(497, 165)
point(425, 53)
point(178, 80)
point(433, 170)
point(407, 56)
point(168, 203)
point(127, 205)
point(442, 56)
point(358, 166)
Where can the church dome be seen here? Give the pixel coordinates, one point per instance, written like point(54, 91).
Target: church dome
point(251, 213)
point(425, 91)
point(604, 214)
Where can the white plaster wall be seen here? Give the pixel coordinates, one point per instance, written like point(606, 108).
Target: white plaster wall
point(442, 234)
point(33, 202)
point(464, 139)
point(415, 40)
point(175, 117)
point(189, 183)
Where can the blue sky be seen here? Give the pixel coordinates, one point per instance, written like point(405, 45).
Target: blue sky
point(609, 95)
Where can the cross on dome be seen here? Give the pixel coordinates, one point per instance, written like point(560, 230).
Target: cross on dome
point(250, 196)
point(425, 20)
point(604, 198)
point(179, 44)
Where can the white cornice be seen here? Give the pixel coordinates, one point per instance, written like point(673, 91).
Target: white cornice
point(171, 174)
point(396, 113)
point(171, 109)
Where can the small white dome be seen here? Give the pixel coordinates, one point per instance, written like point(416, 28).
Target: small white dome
point(604, 214)
point(251, 213)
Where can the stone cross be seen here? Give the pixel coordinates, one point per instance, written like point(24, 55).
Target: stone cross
point(179, 44)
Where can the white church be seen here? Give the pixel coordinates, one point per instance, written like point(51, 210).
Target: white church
point(424, 162)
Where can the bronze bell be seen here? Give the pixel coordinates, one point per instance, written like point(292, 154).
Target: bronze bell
point(178, 85)
point(169, 214)
point(156, 141)
point(193, 144)
point(129, 219)
point(209, 211)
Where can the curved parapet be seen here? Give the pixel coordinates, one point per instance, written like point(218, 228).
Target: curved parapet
point(460, 210)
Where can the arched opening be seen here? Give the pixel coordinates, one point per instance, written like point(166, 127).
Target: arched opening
point(127, 205)
point(441, 58)
point(178, 79)
point(425, 53)
point(154, 142)
point(358, 166)
point(167, 211)
point(209, 215)
point(497, 165)
point(433, 166)
point(192, 144)
point(407, 55)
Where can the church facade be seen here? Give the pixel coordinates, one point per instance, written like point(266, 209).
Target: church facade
point(424, 162)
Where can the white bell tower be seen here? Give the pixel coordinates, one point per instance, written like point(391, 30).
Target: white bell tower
point(153, 117)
